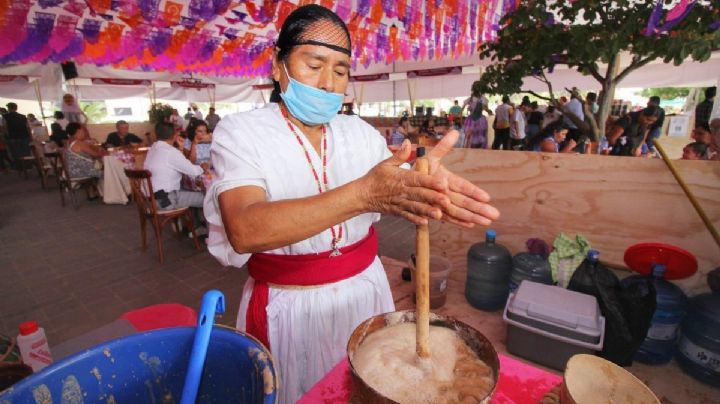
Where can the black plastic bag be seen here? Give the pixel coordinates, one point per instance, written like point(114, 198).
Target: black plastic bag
point(627, 311)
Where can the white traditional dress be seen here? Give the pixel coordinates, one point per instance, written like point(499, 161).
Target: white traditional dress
point(308, 328)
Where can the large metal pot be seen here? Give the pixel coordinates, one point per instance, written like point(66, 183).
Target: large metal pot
point(363, 393)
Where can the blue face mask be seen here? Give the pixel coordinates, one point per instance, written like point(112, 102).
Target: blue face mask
point(311, 105)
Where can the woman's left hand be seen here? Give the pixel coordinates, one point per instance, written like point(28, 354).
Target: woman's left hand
point(470, 204)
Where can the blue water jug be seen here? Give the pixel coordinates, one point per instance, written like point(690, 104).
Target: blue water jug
point(488, 272)
point(529, 267)
point(661, 340)
point(699, 345)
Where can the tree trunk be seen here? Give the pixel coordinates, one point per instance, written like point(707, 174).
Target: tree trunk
point(607, 94)
point(605, 104)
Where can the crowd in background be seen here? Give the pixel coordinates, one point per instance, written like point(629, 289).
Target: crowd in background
point(182, 148)
point(568, 125)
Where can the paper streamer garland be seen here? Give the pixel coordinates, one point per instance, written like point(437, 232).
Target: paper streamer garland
point(233, 38)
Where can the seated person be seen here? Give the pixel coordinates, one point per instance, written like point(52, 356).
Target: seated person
point(399, 134)
point(57, 129)
point(81, 157)
point(630, 132)
point(197, 143)
point(695, 151)
point(122, 136)
point(703, 136)
point(714, 146)
point(428, 127)
point(550, 139)
point(167, 166)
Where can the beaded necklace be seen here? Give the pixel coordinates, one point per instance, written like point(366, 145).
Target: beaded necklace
point(322, 186)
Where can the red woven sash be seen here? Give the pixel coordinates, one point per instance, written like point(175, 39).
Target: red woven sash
point(302, 270)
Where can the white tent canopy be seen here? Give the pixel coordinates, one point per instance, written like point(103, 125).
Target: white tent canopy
point(656, 74)
point(228, 89)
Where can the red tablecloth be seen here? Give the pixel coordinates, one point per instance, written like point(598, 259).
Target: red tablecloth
point(519, 383)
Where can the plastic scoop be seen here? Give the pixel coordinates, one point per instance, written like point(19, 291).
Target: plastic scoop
point(213, 302)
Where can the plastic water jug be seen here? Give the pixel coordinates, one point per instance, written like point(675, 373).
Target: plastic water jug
point(530, 267)
point(699, 346)
point(488, 273)
point(660, 343)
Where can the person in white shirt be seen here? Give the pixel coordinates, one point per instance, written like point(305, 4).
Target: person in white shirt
point(72, 111)
point(517, 125)
point(167, 166)
point(575, 107)
point(502, 125)
point(196, 112)
point(177, 120)
point(551, 115)
point(298, 188)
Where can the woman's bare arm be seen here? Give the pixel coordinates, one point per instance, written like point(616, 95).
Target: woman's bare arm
point(254, 224)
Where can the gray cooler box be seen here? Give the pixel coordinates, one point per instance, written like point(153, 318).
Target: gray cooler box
point(548, 324)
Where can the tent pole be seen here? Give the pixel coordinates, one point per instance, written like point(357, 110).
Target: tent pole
point(410, 94)
point(716, 105)
point(394, 95)
point(358, 100)
point(38, 95)
point(152, 94)
point(211, 95)
point(75, 90)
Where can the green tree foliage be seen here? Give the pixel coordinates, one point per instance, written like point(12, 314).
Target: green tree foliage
point(96, 111)
point(160, 112)
point(666, 93)
point(590, 36)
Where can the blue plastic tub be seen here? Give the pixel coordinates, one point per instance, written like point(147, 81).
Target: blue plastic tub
point(150, 368)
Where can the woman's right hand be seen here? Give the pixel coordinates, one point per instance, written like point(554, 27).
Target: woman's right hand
point(417, 197)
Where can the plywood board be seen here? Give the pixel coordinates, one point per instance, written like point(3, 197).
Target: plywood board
point(613, 201)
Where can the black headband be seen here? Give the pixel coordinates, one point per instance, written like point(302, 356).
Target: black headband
point(327, 45)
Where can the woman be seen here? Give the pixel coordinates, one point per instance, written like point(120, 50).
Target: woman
point(197, 143)
point(475, 126)
point(297, 190)
point(552, 137)
point(534, 120)
point(695, 151)
point(551, 115)
point(81, 157)
point(71, 110)
point(400, 132)
point(57, 129)
point(36, 128)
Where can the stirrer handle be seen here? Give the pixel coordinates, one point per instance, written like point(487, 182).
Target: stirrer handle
point(422, 276)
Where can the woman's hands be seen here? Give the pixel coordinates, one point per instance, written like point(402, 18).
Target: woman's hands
point(469, 205)
point(387, 188)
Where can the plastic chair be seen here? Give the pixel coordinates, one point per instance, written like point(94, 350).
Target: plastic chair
point(161, 316)
point(147, 209)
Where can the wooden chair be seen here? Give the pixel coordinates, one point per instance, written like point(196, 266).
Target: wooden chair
point(26, 162)
point(65, 183)
point(144, 196)
point(44, 167)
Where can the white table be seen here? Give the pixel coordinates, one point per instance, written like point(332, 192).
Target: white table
point(116, 186)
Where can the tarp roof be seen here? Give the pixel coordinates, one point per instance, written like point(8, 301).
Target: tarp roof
point(229, 89)
point(232, 38)
point(221, 40)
